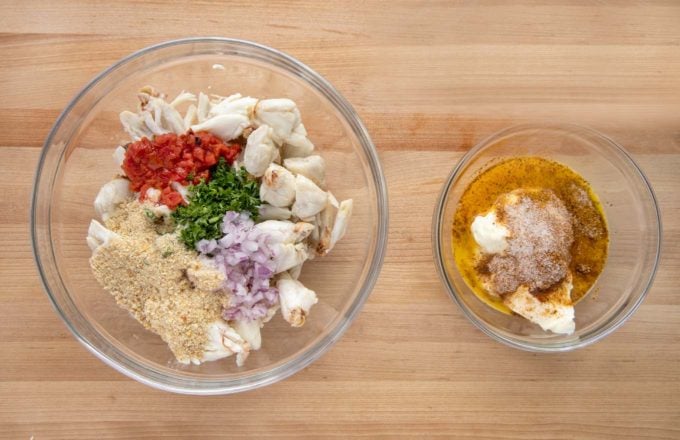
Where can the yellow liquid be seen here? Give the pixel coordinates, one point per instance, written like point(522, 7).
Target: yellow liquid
point(591, 237)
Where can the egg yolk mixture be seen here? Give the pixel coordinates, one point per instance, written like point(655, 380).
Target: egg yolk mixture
point(546, 183)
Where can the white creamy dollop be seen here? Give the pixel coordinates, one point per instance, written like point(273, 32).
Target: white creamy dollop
point(489, 234)
point(554, 315)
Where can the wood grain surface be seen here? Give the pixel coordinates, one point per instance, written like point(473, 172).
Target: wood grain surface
point(429, 80)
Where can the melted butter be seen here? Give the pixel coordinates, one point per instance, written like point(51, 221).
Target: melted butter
point(591, 237)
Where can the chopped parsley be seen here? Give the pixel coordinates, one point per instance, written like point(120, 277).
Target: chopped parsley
point(227, 190)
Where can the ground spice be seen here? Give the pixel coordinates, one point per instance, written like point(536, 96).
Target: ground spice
point(541, 236)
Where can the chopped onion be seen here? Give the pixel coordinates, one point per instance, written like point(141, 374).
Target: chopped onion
point(244, 256)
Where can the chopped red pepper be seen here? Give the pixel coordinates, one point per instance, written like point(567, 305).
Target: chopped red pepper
point(168, 158)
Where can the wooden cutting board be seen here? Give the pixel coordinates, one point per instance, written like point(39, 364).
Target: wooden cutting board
point(429, 80)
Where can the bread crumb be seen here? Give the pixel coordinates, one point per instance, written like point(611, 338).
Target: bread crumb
point(164, 285)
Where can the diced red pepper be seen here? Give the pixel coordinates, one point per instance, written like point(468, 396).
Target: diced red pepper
point(170, 158)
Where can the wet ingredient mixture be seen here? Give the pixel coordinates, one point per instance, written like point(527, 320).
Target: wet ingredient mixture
point(530, 237)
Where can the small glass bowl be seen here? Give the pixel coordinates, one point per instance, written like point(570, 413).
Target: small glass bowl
point(634, 232)
point(76, 160)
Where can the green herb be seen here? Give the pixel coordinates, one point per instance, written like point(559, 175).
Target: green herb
point(190, 176)
point(149, 214)
point(166, 253)
point(227, 190)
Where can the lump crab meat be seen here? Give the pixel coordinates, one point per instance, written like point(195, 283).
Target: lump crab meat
point(312, 167)
point(341, 221)
point(224, 341)
point(332, 224)
point(297, 144)
point(296, 300)
point(285, 231)
point(226, 127)
point(202, 107)
point(278, 186)
point(269, 212)
point(286, 241)
point(119, 155)
point(309, 198)
point(112, 194)
point(235, 104)
point(155, 116)
point(260, 151)
point(98, 235)
point(134, 125)
point(282, 115)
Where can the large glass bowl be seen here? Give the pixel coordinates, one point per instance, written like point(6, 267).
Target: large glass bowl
point(76, 160)
point(634, 227)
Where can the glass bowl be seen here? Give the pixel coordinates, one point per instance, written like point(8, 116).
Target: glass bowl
point(76, 160)
point(634, 227)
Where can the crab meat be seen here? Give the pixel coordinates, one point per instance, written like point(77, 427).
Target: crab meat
point(286, 241)
point(182, 190)
point(147, 92)
point(296, 300)
point(226, 127)
point(282, 115)
point(190, 116)
point(203, 107)
point(156, 116)
point(269, 212)
point(289, 255)
point(250, 332)
point(119, 156)
point(223, 341)
point(295, 271)
point(153, 195)
point(134, 125)
point(112, 194)
point(98, 235)
point(278, 186)
point(260, 151)
point(235, 104)
point(165, 117)
point(312, 167)
point(297, 144)
point(309, 198)
point(182, 98)
point(341, 221)
point(160, 211)
point(325, 221)
point(284, 232)
point(332, 224)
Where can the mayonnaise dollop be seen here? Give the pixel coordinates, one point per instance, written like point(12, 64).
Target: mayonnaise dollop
point(489, 234)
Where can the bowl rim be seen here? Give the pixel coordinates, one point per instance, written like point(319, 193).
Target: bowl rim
point(325, 342)
point(614, 323)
